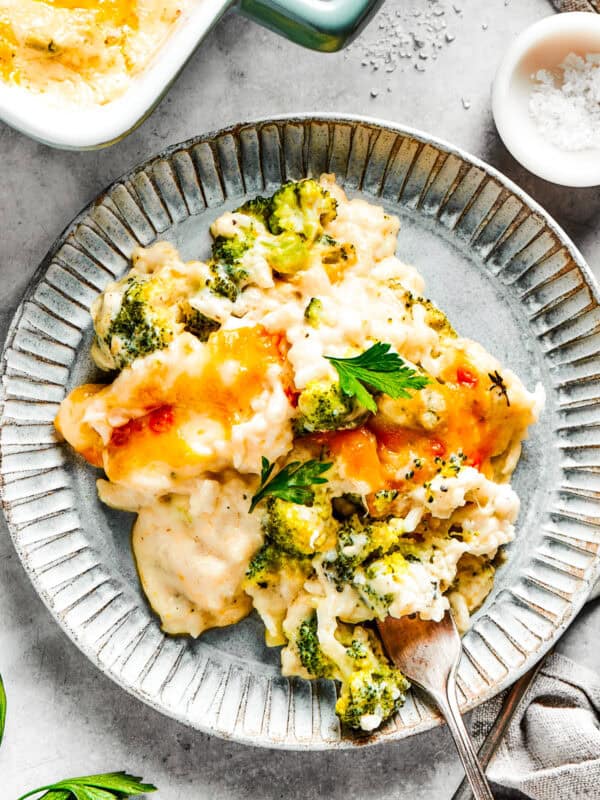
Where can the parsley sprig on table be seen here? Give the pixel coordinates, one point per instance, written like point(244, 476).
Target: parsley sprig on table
point(2, 709)
point(377, 369)
point(292, 483)
point(110, 786)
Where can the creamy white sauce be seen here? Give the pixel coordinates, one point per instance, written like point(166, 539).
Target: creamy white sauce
point(192, 555)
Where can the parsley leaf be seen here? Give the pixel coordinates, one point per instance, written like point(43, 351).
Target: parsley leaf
point(266, 470)
point(379, 370)
point(2, 709)
point(110, 786)
point(291, 483)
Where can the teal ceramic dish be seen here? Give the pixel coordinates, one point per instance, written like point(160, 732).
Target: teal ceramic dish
point(326, 25)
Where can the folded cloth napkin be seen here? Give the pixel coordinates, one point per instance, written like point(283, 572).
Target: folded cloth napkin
point(551, 750)
point(577, 5)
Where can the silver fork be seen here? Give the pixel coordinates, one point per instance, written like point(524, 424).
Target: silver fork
point(428, 654)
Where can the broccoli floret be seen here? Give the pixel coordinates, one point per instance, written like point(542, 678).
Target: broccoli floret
point(377, 581)
point(227, 264)
point(302, 208)
point(311, 656)
point(322, 406)
point(299, 530)
point(265, 565)
point(383, 571)
point(293, 220)
point(197, 323)
point(360, 541)
point(334, 252)
point(228, 254)
point(374, 690)
point(381, 501)
point(223, 282)
point(141, 324)
point(313, 311)
point(288, 253)
point(271, 560)
point(351, 549)
point(437, 320)
point(259, 207)
point(357, 650)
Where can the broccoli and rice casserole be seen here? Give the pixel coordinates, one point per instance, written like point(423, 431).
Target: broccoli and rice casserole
point(300, 431)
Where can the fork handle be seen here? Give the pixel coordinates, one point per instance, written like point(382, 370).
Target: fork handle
point(448, 705)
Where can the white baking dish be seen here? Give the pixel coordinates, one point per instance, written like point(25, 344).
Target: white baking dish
point(321, 24)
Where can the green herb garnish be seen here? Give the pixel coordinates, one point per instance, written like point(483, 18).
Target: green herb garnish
point(292, 483)
point(377, 369)
point(2, 709)
point(111, 786)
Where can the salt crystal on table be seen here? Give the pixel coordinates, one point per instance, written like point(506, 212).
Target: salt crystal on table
point(566, 110)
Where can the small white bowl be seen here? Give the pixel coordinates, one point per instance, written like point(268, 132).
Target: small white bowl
point(544, 45)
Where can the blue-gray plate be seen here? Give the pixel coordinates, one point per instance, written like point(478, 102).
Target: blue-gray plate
point(492, 258)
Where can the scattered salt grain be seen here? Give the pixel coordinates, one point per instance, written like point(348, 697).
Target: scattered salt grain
point(404, 37)
point(565, 103)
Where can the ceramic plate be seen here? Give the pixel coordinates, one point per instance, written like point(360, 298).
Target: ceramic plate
point(507, 276)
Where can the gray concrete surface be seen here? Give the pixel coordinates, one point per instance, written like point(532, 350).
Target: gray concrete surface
point(64, 717)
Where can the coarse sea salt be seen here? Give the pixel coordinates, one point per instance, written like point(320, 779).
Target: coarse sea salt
point(404, 38)
point(565, 103)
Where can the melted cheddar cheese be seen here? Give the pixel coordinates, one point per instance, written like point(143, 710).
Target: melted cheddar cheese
point(184, 414)
point(83, 50)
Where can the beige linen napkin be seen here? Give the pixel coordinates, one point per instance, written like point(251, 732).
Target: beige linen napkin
point(577, 5)
point(551, 750)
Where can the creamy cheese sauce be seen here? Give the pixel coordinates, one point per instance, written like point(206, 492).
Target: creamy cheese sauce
point(192, 556)
point(83, 51)
point(183, 431)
